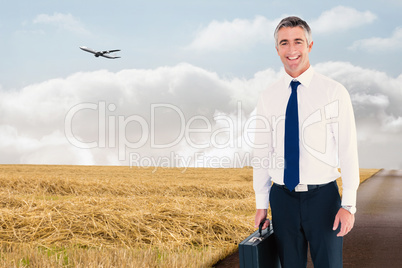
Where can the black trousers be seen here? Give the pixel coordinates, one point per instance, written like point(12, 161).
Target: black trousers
point(300, 219)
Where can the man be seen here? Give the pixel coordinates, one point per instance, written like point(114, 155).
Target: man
point(306, 130)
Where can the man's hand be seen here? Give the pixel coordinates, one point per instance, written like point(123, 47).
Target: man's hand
point(346, 219)
point(259, 217)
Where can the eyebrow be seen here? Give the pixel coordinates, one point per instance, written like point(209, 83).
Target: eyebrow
point(286, 40)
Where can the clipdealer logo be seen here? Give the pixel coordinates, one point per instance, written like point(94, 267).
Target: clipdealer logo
point(238, 132)
point(109, 125)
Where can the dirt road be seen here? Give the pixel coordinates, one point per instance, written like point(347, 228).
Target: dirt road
point(376, 240)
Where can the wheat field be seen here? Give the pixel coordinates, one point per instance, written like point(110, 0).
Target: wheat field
point(104, 216)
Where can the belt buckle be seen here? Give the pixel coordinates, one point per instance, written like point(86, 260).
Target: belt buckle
point(301, 188)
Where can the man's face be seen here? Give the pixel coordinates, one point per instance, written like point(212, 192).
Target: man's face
point(293, 50)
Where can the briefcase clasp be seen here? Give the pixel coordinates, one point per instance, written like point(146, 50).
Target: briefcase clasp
point(253, 239)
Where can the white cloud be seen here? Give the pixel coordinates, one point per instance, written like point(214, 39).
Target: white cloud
point(340, 19)
point(33, 119)
point(381, 101)
point(392, 124)
point(380, 44)
point(244, 33)
point(62, 21)
point(24, 148)
point(239, 33)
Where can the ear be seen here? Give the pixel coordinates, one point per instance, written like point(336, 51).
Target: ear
point(310, 46)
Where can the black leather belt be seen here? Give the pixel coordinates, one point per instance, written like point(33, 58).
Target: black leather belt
point(304, 188)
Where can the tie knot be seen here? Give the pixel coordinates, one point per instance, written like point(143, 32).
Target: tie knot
point(294, 84)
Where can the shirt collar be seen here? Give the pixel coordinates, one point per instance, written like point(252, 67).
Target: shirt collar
point(304, 78)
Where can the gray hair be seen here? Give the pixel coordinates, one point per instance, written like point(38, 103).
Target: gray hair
point(294, 22)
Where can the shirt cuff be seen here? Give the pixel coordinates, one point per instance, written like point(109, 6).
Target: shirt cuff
point(262, 201)
point(349, 197)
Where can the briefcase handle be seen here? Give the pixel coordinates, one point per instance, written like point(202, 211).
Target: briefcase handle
point(261, 224)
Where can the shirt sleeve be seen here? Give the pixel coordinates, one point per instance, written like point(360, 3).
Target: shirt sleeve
point(262, 154)
point(348, 156)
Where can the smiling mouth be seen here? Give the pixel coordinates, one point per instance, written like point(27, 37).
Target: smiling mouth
point(293, 58)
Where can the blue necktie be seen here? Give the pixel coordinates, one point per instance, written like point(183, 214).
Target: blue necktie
point(292, 151)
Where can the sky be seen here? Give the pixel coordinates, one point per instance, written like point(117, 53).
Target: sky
point(188, 80)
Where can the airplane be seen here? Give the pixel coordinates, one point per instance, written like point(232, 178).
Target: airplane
point(101, 53)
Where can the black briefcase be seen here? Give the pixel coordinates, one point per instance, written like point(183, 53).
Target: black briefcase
point(259, 250)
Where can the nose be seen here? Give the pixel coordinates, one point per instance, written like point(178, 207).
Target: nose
point(292, 48)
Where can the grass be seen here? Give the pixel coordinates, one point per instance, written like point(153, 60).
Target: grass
point(93, 216)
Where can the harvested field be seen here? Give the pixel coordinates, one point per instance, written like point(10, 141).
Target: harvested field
point(94, 216)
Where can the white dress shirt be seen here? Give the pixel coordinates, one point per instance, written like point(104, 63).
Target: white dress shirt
point(327, 135)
